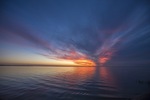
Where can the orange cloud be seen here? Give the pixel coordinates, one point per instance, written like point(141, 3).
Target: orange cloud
point(78, 58)
point(106, 55)
point(85, 62)
point(103, 60)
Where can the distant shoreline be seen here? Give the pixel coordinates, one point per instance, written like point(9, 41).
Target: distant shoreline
point(50, 65)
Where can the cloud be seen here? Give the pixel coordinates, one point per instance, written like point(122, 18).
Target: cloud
point(92, 32)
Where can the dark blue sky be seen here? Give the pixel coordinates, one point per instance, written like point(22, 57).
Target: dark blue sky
point(113, 32)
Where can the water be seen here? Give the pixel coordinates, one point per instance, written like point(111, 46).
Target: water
point(73, 83)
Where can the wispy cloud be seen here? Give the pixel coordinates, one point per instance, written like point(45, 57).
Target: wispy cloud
point(93, 40)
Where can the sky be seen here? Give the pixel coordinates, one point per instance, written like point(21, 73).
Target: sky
point(75, 32)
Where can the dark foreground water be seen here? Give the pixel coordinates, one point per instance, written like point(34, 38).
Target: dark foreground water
point(73, 83)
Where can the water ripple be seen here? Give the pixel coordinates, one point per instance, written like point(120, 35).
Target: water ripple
point(78, 84)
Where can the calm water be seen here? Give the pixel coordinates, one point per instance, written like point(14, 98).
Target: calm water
point(73, 83)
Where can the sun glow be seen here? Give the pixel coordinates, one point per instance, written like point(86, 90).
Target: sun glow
point(85, 62)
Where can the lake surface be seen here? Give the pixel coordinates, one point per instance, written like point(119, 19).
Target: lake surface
point(73, 83)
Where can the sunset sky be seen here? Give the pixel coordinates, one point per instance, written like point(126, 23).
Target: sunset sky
point(75, 32)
